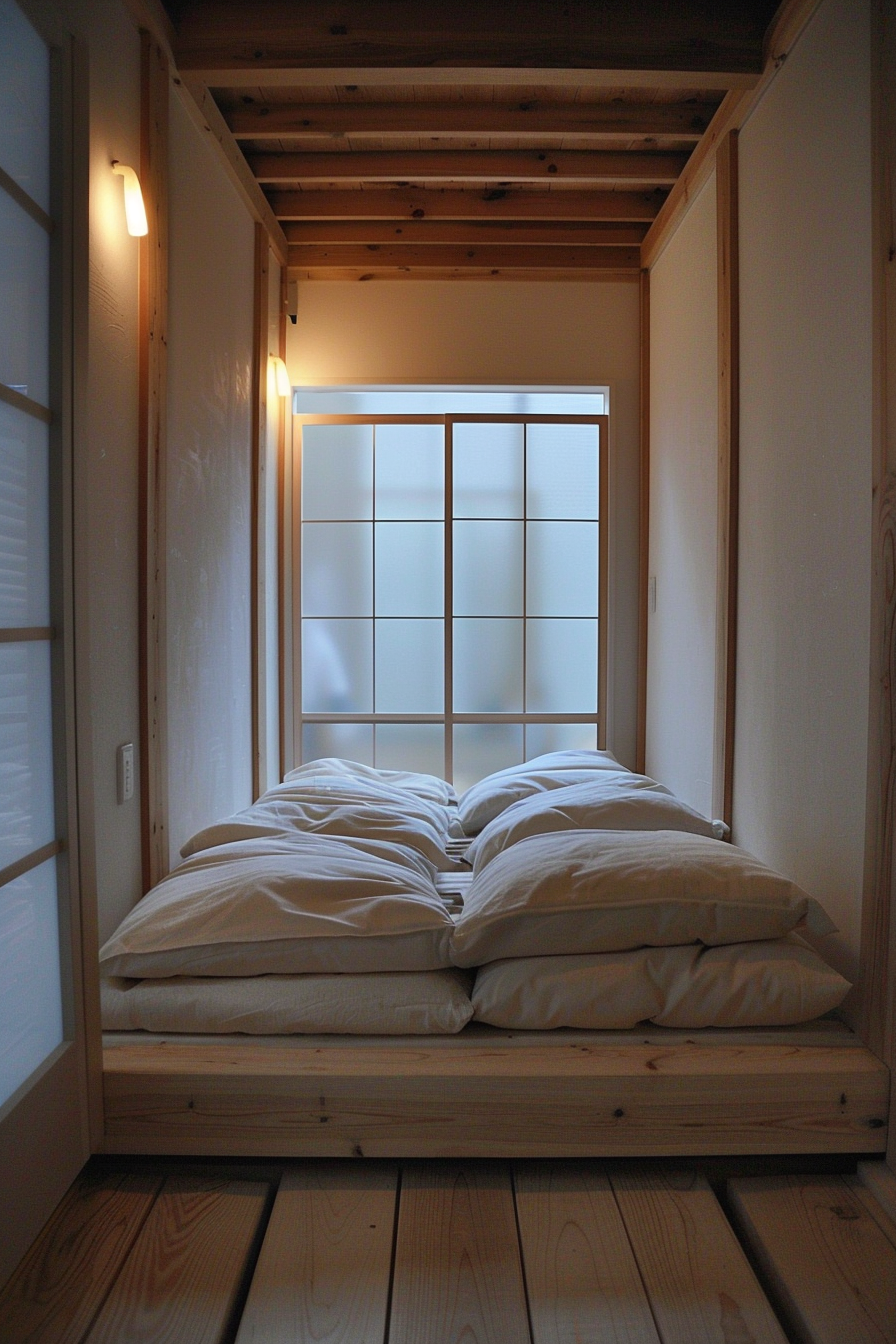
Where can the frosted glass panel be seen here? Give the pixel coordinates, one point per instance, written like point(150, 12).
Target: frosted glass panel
point(543, 737)
point(488, 471)
point(26, 751)
point(562, 471)
point(411, 746)
point(488, 666)
point(24, 303)
point(337, 569)
point(561, 569)
point(350, 741)
point(409, 667)
point(409, 569)
point(337, 471)
point(481, 748)
point(488, 569)
point(337, 667)
point(30, 995)
point(410, 471)
point(24, 104)
point(24, 531)
point(561, 667)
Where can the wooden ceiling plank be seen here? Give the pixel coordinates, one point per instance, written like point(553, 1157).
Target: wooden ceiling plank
point(470, 166)
point(565, 256)
point(410, 203)
point(463, 232)
point(526, 273)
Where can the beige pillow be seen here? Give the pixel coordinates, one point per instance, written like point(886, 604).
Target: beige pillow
point(306, 905)
point(484, 800)
point(607, 891)
point(599, 804)
point(760, 984)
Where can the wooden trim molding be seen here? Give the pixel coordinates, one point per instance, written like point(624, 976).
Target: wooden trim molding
point(259, 447)
point(643, 522)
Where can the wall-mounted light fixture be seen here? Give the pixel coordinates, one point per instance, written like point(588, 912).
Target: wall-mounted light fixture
point(134, 209)
point(281, 376)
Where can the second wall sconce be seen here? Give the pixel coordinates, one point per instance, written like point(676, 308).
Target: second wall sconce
point(134, 209)
point(281, 376)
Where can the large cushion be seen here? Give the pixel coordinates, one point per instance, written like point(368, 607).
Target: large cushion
point(483, 801)
point(608, 891)
point(432, 788)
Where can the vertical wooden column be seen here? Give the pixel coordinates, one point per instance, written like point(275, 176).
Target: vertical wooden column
point(152, 428)
point(643, 521)
point(728, 459)
point(284, 441)
point(259, 457)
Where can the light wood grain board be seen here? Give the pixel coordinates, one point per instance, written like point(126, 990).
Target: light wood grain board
point(64, 1279)
point(701, 1287)
point(457, 1274)
point(581, 1276)
point(323, 1272)
point(829, 1261)
point(182, 1279)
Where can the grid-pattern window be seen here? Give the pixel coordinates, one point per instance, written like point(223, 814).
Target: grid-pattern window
point(450, 589)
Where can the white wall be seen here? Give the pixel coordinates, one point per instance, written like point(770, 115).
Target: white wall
point(498, 333)
point(683, 506)
point(803, 644)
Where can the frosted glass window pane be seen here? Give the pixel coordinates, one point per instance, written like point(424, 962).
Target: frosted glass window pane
point(26, 751)
point(337, 471)
point(562, 471)
point(337, 569)
point(561, 569)
point(561, 667)
point(24, 104)
point(481, 748)
point(409, 667)
point(30, 987)
point(488, 471)
point(488, 569)
point(544, 737)
point(409, 569)
point(24, 523)
point(349, 741)
point(337, 667)
point(488, 666)
point(411, 746)
point(24, 302)
point(410, 471)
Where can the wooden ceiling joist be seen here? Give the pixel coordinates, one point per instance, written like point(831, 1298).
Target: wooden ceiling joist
point(482, 166)
point(467, 233)
point(416, 203)
point(499, 255)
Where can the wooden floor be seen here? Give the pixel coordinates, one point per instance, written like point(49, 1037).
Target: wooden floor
point(459, 1253)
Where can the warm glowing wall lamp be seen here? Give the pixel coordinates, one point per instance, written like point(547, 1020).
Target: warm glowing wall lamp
point(134, 209)
point(281, 376)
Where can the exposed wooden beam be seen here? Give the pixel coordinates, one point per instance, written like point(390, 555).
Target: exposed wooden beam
point(417, 203)
point(551, 275)
point(500, 255)
point(467, 233)
point(296, 121)
point(471, 166)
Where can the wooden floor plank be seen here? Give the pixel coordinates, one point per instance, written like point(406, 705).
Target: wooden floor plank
point(701, 1287)
point(457, 1274)
point(323, 1271)
point(830, 1263)
point(185, 1271)
point(581, 1277)
point(64, 1279)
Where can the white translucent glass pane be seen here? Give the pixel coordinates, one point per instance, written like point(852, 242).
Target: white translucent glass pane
point(545, 737)
point(562, 471)
point(349, 741)
point(26, 751)
point(337, 569)
point(337, 471)
point(411, 746)
point(24, 104)
point(337, 667)
point(561, 569)
point(30, 985)
point(24, 302)
point(488, 569)
point(24, 520)
point(410, 471)
point(561, 667)
point(488, 471)
point(482, 748)
point(409, 569)
point(488, 666)
point(409, 661)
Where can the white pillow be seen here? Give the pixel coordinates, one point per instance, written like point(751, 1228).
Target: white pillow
point(308, 904)
point(486, 800)
point(610, 803)
point(607, 891)
point(432, 788)
point(758, 984)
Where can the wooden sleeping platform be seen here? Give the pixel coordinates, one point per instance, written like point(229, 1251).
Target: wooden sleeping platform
point(492, 1093)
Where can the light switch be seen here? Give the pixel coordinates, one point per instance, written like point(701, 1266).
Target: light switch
point(651, 593)
point(125, 772)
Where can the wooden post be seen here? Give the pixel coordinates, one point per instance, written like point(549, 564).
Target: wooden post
point(643, 522)
point(259, 453)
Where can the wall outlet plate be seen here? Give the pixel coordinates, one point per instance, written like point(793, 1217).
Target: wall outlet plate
point(125, 772)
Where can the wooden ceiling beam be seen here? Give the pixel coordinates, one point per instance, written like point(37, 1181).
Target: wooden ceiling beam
point(550, 275)
point(488, 256)
point(414, 203)
point(471, 166)
point(297, 121)
point(465, 233)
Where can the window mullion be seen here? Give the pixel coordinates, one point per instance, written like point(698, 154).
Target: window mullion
point(448, 614)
